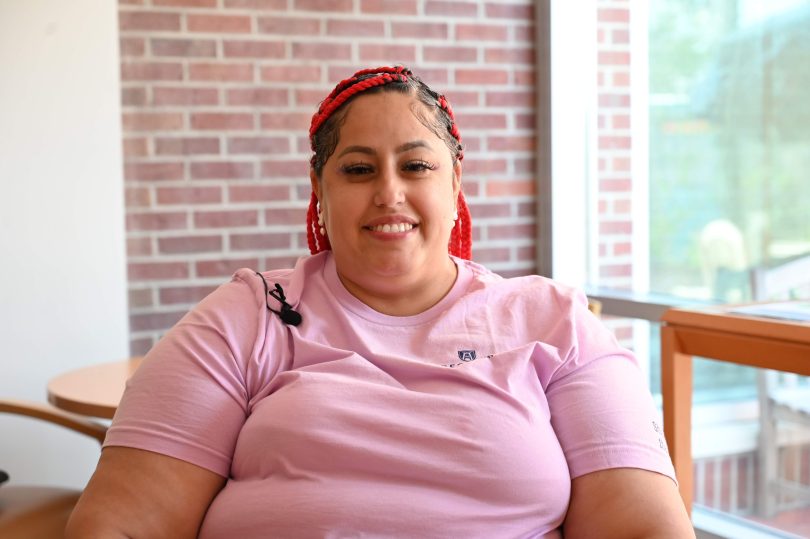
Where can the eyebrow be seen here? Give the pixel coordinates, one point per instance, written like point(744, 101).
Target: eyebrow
point(399, 149)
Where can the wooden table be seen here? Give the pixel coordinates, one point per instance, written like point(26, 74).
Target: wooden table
point(95, 390)
point(715, 333)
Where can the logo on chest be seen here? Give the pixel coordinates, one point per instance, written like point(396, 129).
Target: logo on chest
point(464, 356)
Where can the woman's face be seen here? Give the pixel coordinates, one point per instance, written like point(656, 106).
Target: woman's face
point(388, 195)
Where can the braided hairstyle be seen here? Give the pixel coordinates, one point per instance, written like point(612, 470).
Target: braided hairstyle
point(436, 116)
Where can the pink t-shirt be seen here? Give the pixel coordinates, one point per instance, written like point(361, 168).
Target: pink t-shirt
point(467, 420)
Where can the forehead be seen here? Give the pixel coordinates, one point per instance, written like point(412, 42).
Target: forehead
point(385, 116)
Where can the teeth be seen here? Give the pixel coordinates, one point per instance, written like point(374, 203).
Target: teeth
point(398, 227)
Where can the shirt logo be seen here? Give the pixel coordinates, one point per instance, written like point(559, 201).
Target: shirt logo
point(466, 355)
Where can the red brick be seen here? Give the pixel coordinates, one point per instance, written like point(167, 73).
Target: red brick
point(512, 144)
point(427, 30)
point(154, 321)
point(184, 47)
point(189, 195)
point(621, 164)
point(481, 32)
point(297, 168)
point(524, 34)
point(615, 270)
point(132, 46)
point(137, 197)
point(525, 121)
point(615, 227)
point(251, 242)
point(258, 145)
point(355, 28)
point(156, 221)
point(527, 253)
point(267, 97)
point(613, 15)
point(492, 254)
point(510, 188)
point(140, 297)
point(183, 294)
point(620, 36)
point(285, 216)
point(527, 209)
point(525, 77)
point(185, 3)
point(522, 55)
point(291, 73)
point(525, 165)
point(222, 170)
point(460, 98)
point(512, 231)
point(253, 49)
point(615, 185)
point(152, 121)
point(615, 143)
point(286, 121)
point(185, 96)
point(450, 54)
point(153, 171)
point(323, 6)
point(389, 7)
point(483, 166)
point(139, 271)
point(611, 58)
point(141, 345)
point(522, 11)
point(221, 120)
point(321, 51)
point(277, 262)
point(485, 121)
point(621, 79)
point(131, 2)
point(296, 26)
point(189, 244)
point(490, 210)
point(482, 76)
point(134, 147)
point(394, 53)
point(258, 193)
point(148, 21)
point(225, 72)
point(225, 218)
point(462, 9)
point(257, 4)
point(187, 146)
point(223, 268)
point(133, 96)
point(139, 246)
point(151, 71)
point(309, 97)
point(518, 98)
point(228, 24)
point(623, 206)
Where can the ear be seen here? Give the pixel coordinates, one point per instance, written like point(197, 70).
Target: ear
point(316, 184)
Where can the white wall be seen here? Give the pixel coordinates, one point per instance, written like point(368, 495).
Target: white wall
point(62, 247)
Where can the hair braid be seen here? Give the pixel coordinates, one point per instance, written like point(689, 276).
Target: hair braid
point(460, 243)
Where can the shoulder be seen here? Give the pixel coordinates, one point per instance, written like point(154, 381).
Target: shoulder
point(555, 296)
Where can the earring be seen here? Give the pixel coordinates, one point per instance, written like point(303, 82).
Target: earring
point(455, 215)
point(320, 224)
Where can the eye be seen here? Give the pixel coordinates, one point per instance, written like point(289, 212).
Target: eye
point(356, 169)
point(418, 165)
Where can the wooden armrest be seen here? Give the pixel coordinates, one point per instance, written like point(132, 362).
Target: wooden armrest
point(54, 415)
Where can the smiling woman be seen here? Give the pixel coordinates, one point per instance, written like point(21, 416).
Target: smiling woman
point(415, 394)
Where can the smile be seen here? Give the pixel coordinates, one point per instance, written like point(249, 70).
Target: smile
point(396, 227)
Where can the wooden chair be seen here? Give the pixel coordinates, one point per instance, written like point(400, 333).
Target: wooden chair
point(784, 398)
point(41, 511)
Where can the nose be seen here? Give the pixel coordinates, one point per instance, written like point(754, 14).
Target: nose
point(389, 189)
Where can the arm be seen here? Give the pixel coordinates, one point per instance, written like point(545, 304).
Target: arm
point(626, 503)
point(137, 493)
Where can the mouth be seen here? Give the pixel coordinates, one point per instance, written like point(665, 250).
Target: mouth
point(389, 228)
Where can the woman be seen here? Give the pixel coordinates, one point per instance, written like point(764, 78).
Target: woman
point(383, 387)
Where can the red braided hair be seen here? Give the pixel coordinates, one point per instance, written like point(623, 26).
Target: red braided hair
point(460, 243)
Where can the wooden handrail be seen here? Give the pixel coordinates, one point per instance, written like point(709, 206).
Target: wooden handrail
point(51, 414)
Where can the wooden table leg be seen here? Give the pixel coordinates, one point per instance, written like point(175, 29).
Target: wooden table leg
point(676, 391)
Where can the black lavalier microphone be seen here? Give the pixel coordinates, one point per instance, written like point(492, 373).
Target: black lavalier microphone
point(288, 315)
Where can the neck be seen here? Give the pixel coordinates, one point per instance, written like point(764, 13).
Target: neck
point(403, 296)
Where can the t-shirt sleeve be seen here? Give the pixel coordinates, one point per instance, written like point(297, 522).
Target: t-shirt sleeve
point(191, 395)
point(600, 404)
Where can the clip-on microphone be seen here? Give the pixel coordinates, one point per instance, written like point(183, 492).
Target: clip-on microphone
point(288, 315)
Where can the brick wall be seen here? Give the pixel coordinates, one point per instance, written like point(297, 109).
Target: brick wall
point(614, 144)
point(217, 97)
